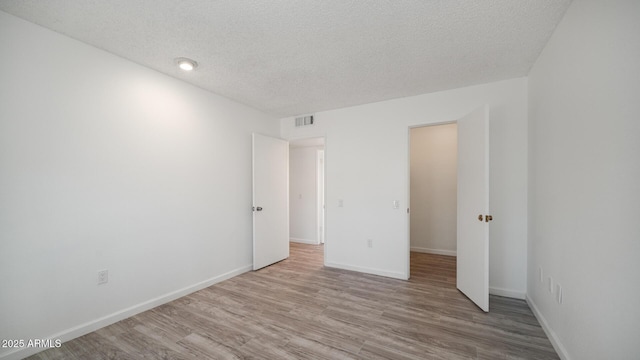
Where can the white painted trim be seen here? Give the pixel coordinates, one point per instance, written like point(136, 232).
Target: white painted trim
point(83, 329)
point(434, 251)
point(385, 273)
point(304, 241)
point(555, 341)
point(320, 191)
point(507, 293)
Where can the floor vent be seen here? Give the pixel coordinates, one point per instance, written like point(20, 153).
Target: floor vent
point(304, 120)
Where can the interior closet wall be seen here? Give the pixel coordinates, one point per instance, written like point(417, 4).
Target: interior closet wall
point(433, 189)
point(303, 199)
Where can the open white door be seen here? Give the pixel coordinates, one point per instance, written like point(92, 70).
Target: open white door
point(473, 207)
point(270, 200)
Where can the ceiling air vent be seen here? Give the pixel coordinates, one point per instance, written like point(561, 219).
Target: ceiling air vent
point(304, 120)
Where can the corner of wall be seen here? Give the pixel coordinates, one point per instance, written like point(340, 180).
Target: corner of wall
point(553, 337)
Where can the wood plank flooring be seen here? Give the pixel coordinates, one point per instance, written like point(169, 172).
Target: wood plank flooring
point(297, 309)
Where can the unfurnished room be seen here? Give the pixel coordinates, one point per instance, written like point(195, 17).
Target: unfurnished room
point(320, 179)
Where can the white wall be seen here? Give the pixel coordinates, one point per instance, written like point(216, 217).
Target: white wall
point(303, 200)
point(434, 190)
point(367, 166)
point(106, 164)
point(585, 181)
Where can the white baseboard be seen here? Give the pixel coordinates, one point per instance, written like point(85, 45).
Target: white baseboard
point(304, 241)
point(557, 345)
point(434, 251)
point(507, 293)
point(391, 274)
point(94, 325)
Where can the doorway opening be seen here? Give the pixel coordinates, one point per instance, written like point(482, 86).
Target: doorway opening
point(307, 191)
point(471, 214)
point(433, 197)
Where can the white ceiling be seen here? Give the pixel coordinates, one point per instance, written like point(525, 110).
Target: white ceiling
point(291, 57)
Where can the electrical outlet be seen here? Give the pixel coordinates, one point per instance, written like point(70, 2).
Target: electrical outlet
point(370, 243)
point(103, 277)
point(550, 284)
point(541, 273)
point(559, 293)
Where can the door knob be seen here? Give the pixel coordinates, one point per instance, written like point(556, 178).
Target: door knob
point(480, 217)
point(488, 218)
point(259, 208)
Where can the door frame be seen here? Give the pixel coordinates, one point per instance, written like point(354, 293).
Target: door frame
point(320, 191)
point(467, 286)
point(409, 184)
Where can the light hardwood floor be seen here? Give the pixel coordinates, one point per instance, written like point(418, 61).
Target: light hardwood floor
point(297, 309)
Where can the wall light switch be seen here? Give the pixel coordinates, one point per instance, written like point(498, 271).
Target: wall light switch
point(396, 204)
point(103, 277)
point(340, 203)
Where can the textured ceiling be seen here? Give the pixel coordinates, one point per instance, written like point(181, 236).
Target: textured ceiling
point(291, 57)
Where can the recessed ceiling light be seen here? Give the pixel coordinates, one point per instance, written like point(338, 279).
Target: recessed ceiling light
point(186, 64)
